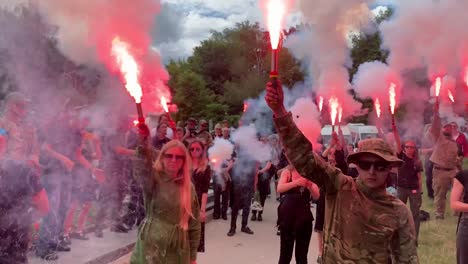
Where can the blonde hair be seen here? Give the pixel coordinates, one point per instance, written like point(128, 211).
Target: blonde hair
point(185, 173)
point(203, 163)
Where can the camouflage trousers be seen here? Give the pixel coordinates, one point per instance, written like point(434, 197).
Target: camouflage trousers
point(441, 182)
point(415, 200)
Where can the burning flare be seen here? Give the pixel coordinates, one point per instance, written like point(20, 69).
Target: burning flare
point(276, 10)
point(164, 104)
point(450, 95)
point(438, 84)
point(466, 76)
point(135, 122)
point(320, 103)
point(378, 110)
point(246, 106)
point(392, 97)
point(334, 104)
point(128, 67)
point(340, 114)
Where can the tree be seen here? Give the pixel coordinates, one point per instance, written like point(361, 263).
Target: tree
point(365, 48)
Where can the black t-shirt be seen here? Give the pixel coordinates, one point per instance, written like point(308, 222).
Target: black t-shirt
point(19, 182)
point(408, 173)
point(159, 143)
point(462, 177)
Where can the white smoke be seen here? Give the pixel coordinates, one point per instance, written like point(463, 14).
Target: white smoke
point(221, 151)
point(246, 138)
point(306, 116)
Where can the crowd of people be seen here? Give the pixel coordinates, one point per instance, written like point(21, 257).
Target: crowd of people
point(156, 177)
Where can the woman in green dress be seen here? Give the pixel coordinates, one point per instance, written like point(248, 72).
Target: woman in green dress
point(170, 232)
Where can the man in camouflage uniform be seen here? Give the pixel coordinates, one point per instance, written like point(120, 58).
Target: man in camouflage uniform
point(363, 223)
point(446, 158)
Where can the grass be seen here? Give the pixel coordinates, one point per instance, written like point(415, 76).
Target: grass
point(437, 239)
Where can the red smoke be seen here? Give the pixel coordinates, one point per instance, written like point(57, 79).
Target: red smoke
point(92, 25)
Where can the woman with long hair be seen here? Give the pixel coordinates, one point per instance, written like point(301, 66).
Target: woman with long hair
point(459, 203)
point(201, 176)
point(170, 232)
point(295, 219)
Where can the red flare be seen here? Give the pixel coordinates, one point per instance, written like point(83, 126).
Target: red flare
point(450, 95)
point(378, 110)
point(246, 106)
point(392, 97)
point(466, 76)
point(128, 67)
point(437, 85)
point(164, 104)
point(135, 122)
point(334, 104)
point(340, 114)
point(320, 103)
point(276, 10)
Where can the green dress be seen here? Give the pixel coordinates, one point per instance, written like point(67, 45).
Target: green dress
point(161, 240)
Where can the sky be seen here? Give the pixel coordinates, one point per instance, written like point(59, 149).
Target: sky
point(182, 24)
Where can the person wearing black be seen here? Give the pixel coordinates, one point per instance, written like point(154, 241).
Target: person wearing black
point(116, 161)
point(426, 151)
point(21, 193)
point(201, 177)
point(62, 140)
point(244, 179)
point(409, 181)
point(295, 219)
point(19, 185)
point(160, 139)
point(459, 203)
point(263, 186)
point(222, 186)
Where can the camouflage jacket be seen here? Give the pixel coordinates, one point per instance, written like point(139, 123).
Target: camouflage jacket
point(361, 225)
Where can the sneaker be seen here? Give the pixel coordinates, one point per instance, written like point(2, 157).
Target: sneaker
point(65, 240)
point(254, 217)
point(216, 217)
point(120, 228)
point(98, 233)
point(80, 236)
point(62, 247)
point(260, 218)
point(247, 230)
point(47, 255)
point(231, 232)
point(224, 217)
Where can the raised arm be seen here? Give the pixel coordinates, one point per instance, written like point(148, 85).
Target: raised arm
point(397, 138)
point(436, 124)
point(143, 160)
point(297, 148)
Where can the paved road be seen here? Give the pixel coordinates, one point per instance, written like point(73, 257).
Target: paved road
point(260, 248)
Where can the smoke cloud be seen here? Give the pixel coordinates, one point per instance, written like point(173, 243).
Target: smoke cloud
point(221, 150)
point(85, 30)
point(324, 45)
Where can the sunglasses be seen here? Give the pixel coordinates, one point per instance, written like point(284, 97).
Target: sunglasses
point(194, 149)
point(176, 157)
point(378, 165)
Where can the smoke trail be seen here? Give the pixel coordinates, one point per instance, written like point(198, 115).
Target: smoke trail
point(325, 45)
point(86, 30)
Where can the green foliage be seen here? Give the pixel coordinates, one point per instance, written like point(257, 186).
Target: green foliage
point(226, 69)
point(366, 48)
